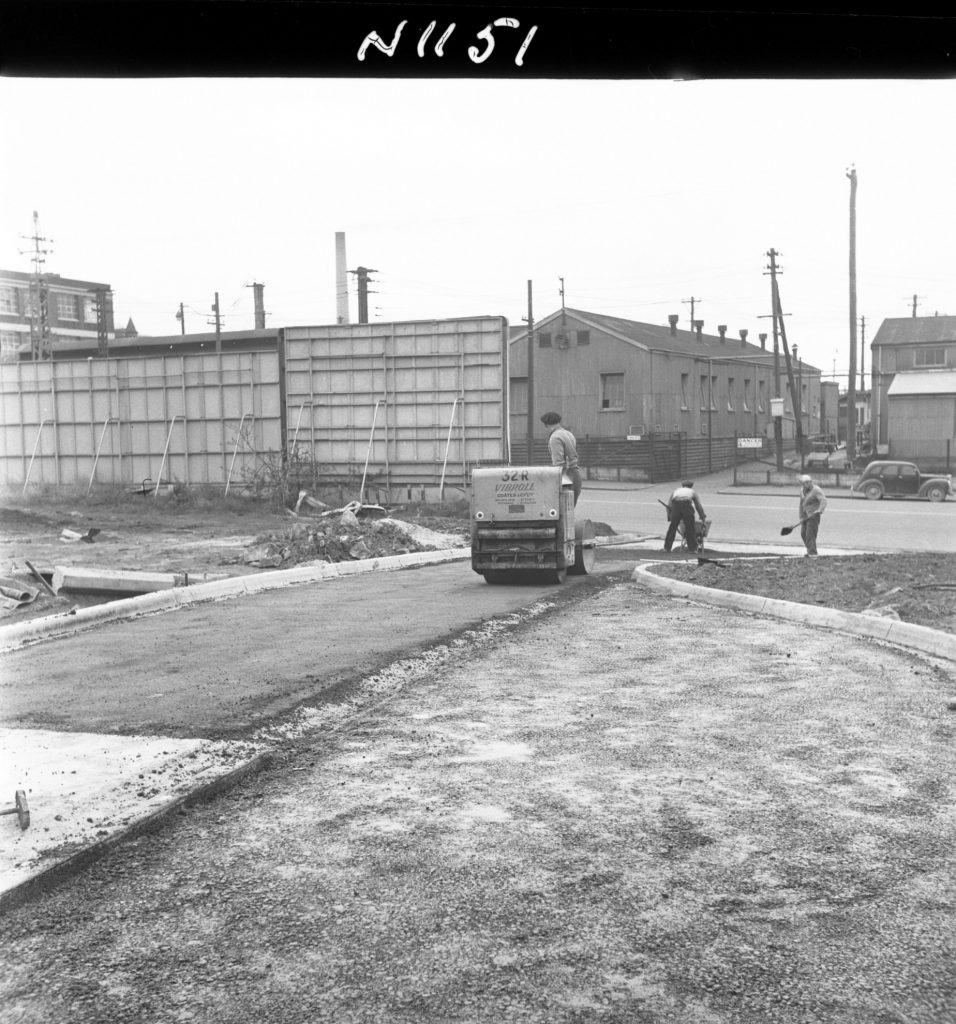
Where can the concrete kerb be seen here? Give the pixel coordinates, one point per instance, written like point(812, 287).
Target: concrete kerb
point(905, 634)
point(66, 867)
point(22, 633)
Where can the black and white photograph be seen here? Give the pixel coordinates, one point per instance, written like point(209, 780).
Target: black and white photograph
point(477, 515)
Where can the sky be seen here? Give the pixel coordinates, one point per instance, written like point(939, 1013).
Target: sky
point(640, 194)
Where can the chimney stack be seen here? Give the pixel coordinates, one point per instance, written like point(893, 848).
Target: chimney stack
point(698, 327)
point(743, 337)
point(763, 341)
point(259, 305)
point(341, 280)
point(672, 320)
point(722, 331)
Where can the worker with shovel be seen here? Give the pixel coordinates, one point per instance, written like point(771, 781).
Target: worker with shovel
point(812, 503)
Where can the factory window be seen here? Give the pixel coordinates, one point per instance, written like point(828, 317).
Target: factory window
point(929, 357)
point(684, 385)
point(747, 384)
point(761, 396)
point(730, 394)
point(612, 390)
point(544, 340)
point(8, 301)
point(10, 340)
point(703, 391)
point(66, 307)
point(713, 394)
point(583, 337)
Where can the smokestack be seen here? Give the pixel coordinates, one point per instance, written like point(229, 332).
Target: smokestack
point(743, 337)
point(763, 341)
point(699, 327)
point(672, 320)
point(722, 330)
point(341, 280)
point(260, 308)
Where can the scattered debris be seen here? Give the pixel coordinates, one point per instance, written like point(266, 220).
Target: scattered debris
point(71, 536)
point(41, 578)
point(14, 594)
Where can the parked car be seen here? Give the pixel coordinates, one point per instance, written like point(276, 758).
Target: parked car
point(902, 480)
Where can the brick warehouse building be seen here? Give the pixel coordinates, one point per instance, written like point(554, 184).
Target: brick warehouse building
point(75, 312)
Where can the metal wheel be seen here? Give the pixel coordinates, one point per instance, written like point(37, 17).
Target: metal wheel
point(873, 491)
point(936, 493)
point(585, 550)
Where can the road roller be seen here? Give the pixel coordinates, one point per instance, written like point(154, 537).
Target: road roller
point(523, 526)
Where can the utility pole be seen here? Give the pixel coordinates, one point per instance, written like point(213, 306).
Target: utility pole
point(777, 420)
point(102, 301)
point(41, 346)
point(795, 395)
point(215, 309)
point(530, 433)
point(851, 381)
point(691, 301)
point(361, 274)
point(181, 317)
point(862, 352)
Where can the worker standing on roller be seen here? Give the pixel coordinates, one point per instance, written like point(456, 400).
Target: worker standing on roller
point(564, 450)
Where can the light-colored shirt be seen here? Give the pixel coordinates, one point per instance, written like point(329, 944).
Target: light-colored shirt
point(563, 448)
point(812, 501)
point(683, 493)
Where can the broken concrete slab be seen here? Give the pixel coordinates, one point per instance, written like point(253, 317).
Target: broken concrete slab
point(124, 581)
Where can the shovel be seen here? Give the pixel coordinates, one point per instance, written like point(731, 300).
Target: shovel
point(790, 529)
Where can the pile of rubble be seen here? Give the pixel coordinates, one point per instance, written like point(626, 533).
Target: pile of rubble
point(356, 531)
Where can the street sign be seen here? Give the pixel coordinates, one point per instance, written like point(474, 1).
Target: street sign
point(635, 437)
point(750, 442)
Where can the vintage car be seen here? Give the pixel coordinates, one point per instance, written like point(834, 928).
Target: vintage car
point(895, 479)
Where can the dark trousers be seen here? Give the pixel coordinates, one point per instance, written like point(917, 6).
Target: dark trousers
point(681, 512)
point(808, 531)
point(575, 475)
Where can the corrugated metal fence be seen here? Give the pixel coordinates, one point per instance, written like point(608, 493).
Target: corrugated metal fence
point(412, 403)
point(190, 418)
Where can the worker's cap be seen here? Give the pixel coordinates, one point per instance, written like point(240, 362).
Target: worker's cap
point(550, 418)
point(687, 483)
point(806, 479)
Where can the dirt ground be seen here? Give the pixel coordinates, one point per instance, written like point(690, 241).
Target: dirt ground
point(185, 533)
point(918, 588)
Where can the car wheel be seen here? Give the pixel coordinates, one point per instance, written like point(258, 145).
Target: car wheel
point(873, 491)
point(936, 493)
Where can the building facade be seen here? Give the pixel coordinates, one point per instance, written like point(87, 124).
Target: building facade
point(616, 378)
point(913, 404)
point(39, 315)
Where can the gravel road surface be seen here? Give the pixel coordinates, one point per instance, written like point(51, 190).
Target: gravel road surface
point(629, 809)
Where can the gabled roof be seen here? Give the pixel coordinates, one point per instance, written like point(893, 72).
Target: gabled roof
point(915, 330)
point(656, 337)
